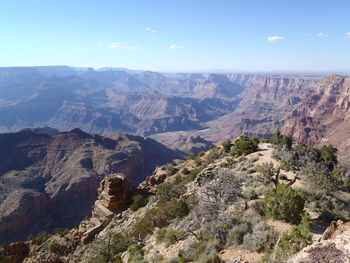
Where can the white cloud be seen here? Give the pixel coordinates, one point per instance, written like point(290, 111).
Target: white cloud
point(173, 46)
point(348, 35)
point(150, 30)
point(274, 38)
point(322, 35)
point(115, 45)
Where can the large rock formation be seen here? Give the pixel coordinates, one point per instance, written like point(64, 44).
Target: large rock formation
point(112, 196)
point(48, 182)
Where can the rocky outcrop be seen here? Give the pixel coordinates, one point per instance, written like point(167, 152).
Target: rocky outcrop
point(48, 182)
point(112, 195)
point(334, 247)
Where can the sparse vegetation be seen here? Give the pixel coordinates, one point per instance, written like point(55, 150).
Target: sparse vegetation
point(138, 201)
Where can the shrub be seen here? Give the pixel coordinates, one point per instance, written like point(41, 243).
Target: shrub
point(138, 201)
point(185, 171)
point(173, 170)
point(227, 146)
point(169, 236)
point(154, 217)
point(287, 142)
point(160, 234)
point(236, 234)
point(201, 154)
point(170, 191)
point(136, 254)
point(262, 238)
point(176, 209)
point(285, 203)
point(268, 173)
point(59, 249)
point(276, 137)
point(193, 174)
point(160, 217)
point(251, 171)
point(250, 194)
point(40, 238)
point(202, 251)
point(198, 162)
point(172, 236)
point(245, 145)
point(297, 239)
point(110, 248)
point(212, 156)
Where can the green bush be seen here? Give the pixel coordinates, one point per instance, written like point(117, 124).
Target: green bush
point(193, 174)
point(40, 238)
point(245, 145)
point(227, 146)
point(176, 209)
point(236, 234)
point(173, 170)
point(160, 235)
point(276, 137)
point(285, 203)
point(138, 201)
point(136, 254)
point(201, 154)
point(170, 191)
point(160, 217)
point(297, 239)
point(61, 231)
point(250, 194)
point(185, 171)
point(59, 249)
point(172, 236)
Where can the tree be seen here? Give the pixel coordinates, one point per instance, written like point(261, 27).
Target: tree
point(287, 141)
point(268, 173)
point(245, 145)
point(329, 155)
point(276, 137)
point(285, 203)
point(227, 146)
point(297, 239)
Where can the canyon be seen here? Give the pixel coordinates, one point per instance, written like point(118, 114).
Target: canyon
point(44, 168)
point(50, 181)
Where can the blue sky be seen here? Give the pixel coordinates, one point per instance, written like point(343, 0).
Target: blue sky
point(177, 35)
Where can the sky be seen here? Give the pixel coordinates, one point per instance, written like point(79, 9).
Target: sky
point(178, 35)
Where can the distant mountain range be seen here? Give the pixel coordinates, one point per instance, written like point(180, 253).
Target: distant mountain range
point(212, 106)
